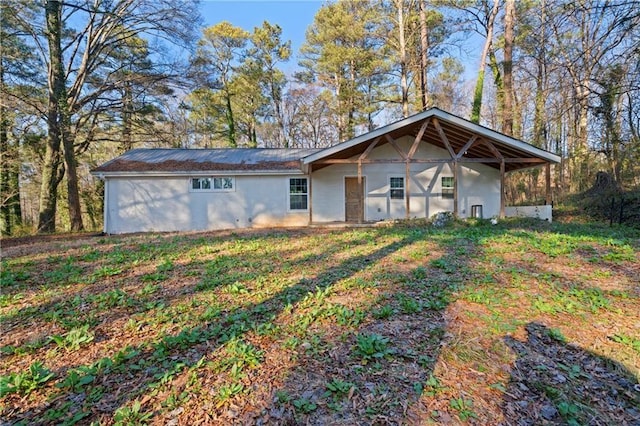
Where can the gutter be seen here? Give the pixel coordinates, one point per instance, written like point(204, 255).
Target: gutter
point(104, 175)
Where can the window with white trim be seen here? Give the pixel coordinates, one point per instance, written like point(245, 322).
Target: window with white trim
point(213, 184)
point(396, 188)
point(298, 194)
point(447, 183)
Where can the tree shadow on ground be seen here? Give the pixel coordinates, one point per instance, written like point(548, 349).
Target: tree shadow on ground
point(553, 382)
point(335, 383)
point(139, 368)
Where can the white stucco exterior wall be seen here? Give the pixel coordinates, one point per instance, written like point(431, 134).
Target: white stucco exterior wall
point(478, 185)
point(144, 204)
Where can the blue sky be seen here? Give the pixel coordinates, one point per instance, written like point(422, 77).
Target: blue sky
point(293, 16)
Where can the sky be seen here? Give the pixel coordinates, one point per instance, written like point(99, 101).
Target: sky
point(293, 16)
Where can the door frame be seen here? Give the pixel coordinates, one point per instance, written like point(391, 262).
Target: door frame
point(363, 199)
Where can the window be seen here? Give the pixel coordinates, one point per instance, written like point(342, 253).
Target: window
point(212, 184)
point(298, 194)
point(396, 188)
point(447, 187)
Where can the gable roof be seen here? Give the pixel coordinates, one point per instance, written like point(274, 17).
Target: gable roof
point(458, 132)
point(176, 161)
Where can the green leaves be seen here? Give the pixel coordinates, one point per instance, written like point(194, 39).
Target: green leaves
point(372, 346)
point(25, 382)
point(75, 338)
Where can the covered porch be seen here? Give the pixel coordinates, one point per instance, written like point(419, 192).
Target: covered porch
point(462, 143)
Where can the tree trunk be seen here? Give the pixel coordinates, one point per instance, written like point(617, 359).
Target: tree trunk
point(424, 48)
point(50, 167)
point(498, 82)
point(539, 120)
point(127, 106)
point(230, 122)
point(62, 111)
point(509, 22)
point(73, 193)
point(341, 122)
point(404, 87)
point(5, 191)
point(477, 95)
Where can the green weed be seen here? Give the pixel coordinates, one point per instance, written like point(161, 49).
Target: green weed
point(557, 335)
point(339, 388)
point(383, 312)
point(347, 317)
point(133, 415)
point(631, 342)
point(9, 278)
point(304, 405)
point(432, 386)
point(372, 346)
point(408, 304)
point(25, 382)
point(75, 338)
point(464, 407)
point(114, 298)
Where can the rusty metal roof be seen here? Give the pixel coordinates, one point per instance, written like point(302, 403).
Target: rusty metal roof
point(194, 160)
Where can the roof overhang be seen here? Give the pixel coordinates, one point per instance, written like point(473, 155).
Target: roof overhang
point(466, 142)
point(124, 174)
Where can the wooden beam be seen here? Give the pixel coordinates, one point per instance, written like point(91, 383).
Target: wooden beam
point(524, 160)
point(310, 195)
point(429, 160)
point(454, 166)
point(360, 193)
point(395, 146)
point(498, 160)
point(493, 149)
point(466, 146)
point(367, 151)
point(502, 194)
point(417, 140)
point(443, 137)
point(407, 195)
point(547, 176)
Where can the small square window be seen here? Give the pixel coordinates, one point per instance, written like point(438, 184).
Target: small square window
point(396, 188)
point(447, 187)
point(212, 184)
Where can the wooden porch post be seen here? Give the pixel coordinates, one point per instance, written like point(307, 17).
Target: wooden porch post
point(502, 195)
point(454, 166)
point(310, 195)
point(547, 176)
point(360, 193)
point(407, 195)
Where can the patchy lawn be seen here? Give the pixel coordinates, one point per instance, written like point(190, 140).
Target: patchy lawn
point(522, 323)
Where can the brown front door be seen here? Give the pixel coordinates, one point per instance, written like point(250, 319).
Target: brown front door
point(353, 200)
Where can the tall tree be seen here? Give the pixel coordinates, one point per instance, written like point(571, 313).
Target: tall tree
point(509, 37)
point(588, 35)
point(220, 53)
point(487, 23)
point(340, 54)
point(17, 68)
point(268, 50)
point(76, 40)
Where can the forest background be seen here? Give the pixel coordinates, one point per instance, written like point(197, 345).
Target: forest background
point(82, 81)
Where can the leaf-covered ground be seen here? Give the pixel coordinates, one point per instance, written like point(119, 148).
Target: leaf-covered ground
point(519, 323)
